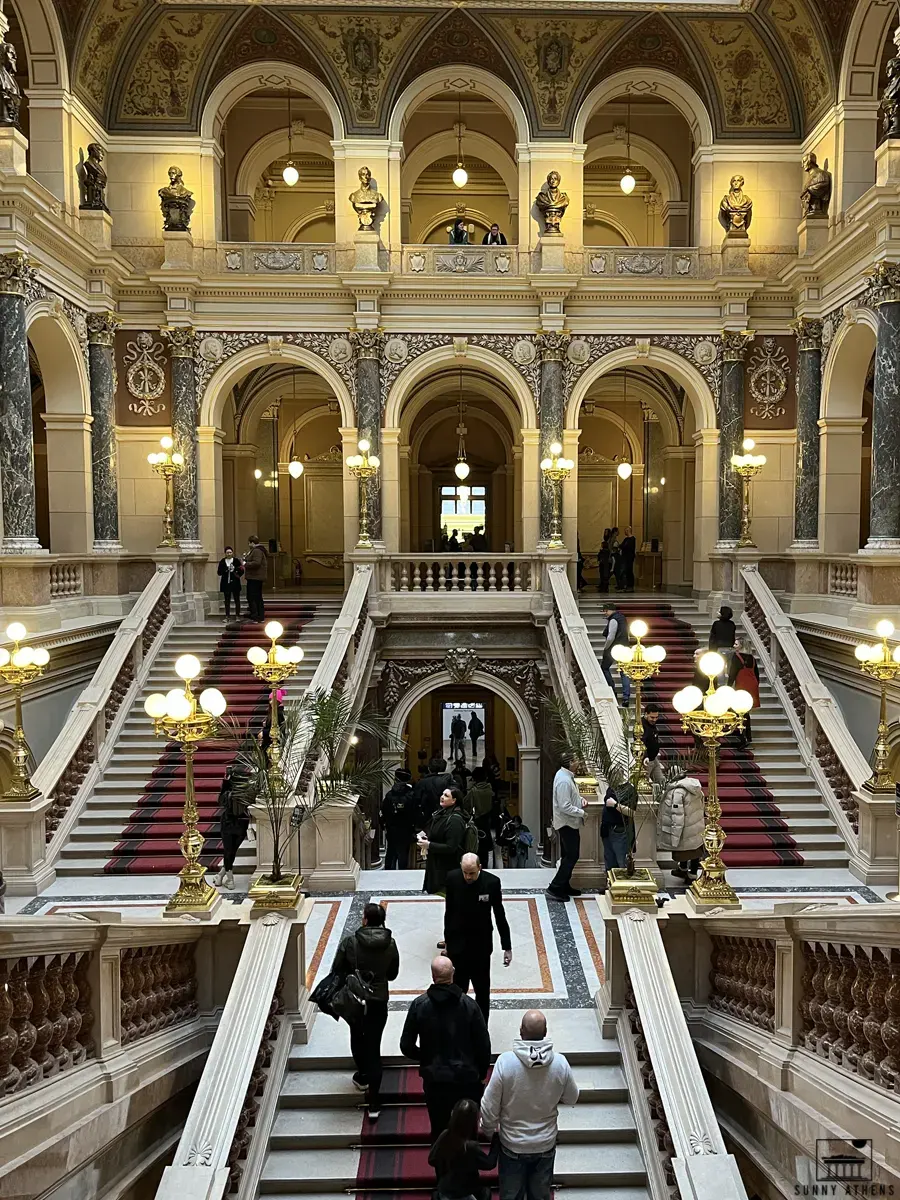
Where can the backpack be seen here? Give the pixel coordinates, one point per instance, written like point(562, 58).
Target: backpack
point(471, 839)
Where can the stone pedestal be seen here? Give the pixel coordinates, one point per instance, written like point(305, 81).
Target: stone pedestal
point(326, 849)
point(96, 227)
point(590, 871)
point(874, 858)
point(13, 149)
point(887, 163)
point(553, 254)
point(366, 244)
point(812, 235)
point(645, 852)
point(736, 254)
point(23, 846)
point(179, 251)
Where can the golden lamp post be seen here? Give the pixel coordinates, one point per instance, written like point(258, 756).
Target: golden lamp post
point(274, 667)
point(883, 666)
point(19, 667)
point(363, 467)
point(167, 463)
point(748, 466)
point(639, 663)
point(188, 719)
point(556, 470)
point(711, 716)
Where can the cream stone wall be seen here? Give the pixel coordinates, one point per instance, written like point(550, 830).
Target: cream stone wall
point(138, 168)
point(773, 180)
point(141, 492)
point(772, 492)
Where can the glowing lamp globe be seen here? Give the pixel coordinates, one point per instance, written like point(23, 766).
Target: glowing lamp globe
point(622, 654)
point(16, 631)
point(364, 445)
point(546, 464)
point(290, 175)
point(166, 442)
point(212, 702)
point(627, 183)
point(281, 656)
point(41, 657)
point(4, 657)
point(655, 654)
point(460, 176)
point(884, 629)
point(555, 449)
point(274, 630)
point(727, 693)
point(178, 707)
point(295, 468)
point(742, 702)
point(896, 655)
point(624, 469)
point(152, 459)
point(257, 474)
point(639, 628)
point(748, 444)
point(178, 459)
point(295, 654)
point(712, 664)
point(687, 699)
point(461, 470)
point(257, 656)
point(863, 653)
point(23, 657)
point(374, 460)
point(155, 705)
point(187, 666)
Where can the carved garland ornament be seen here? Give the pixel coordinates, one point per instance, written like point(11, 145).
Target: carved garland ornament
point(76, 316)
point(214, 348)
point(399, 675)
point(767, 374)
point(145, 374)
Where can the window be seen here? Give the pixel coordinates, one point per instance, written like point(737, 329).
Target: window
point(463, 507)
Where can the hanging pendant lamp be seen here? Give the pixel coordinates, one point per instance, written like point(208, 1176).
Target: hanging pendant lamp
point(461, 470)
point(624, 469)
point(628, 182)
point(460, 175)
point(290, 174)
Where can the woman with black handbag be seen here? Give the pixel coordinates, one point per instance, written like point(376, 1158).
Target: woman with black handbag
point(370, 954)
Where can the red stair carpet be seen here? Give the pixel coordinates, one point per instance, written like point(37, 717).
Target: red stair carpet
point(757, 833)
point(149, 844)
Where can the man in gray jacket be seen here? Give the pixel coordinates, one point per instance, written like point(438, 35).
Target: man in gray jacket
point(521, 1103)
point(568, 818)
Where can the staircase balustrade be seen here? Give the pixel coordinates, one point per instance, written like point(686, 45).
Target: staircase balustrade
point(461, 573)
point(87, 740)
point(828, 749)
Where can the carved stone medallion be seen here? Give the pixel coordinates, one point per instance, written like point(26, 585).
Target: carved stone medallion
point(461, 662)
point(524, 352)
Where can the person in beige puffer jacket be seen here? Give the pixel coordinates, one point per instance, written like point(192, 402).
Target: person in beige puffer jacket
point(680, 825)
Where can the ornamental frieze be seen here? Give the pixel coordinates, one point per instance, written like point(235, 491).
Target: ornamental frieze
point(36, 291)
point(215, 348)
point(522, 674)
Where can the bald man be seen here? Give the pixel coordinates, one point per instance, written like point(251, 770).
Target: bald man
point(521, 1103)
point(474, 901)
point(446, 1035)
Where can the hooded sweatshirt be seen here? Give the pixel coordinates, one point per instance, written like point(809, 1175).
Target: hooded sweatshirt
point(522, 1099)
point(445, 1033)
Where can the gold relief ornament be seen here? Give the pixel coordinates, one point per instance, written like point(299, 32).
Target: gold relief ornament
point(552, 202)
point(145, 374)
point(19, 667)
point(365, 199)
point(736, 209)
point(767, 375)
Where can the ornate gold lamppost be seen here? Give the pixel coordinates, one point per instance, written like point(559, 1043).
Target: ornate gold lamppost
point(710, 717)
point(884, 667)
point(167, 463)
point(188, 720)
point(748, 466)
point(19, 667)
point(363, 467)
point(639, 663)
point(556, 470)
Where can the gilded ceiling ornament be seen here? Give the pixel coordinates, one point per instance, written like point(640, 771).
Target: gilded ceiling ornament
point(767, 375)
point(161, 84)
point(103, 38)
point(365, 199)
point(806, 53)
point(816, 196)
point(145, 374)
point(553, 202)
point(736, 209)
point(753, 95)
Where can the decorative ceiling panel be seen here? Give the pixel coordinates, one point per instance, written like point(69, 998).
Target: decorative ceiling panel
point(652, 42)
point(162, 79)
point(99, 52)
point(263, 36)
point(797, 32)
point(752, 92)
point(458, 39)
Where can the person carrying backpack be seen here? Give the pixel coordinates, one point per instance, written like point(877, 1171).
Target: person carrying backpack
point(743, 675)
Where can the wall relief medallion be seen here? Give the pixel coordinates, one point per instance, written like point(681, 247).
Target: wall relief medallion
point(320, 261)
point(417, 263)
point(396, 350)
point(211, 349)
point(682, 265)
point(598, 264)
point(578, 351)
point(705, 352)
point(524, 353)
point(340, 350)
point(640, 264)
point(145, 374)
point(234, 260)
point(459, 264)
point(502, 263)
point(462, 663)
point(767, 374)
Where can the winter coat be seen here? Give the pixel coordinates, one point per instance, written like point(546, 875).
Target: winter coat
point(427, 795)
point(230, 577)
point(679, 824)
point(445, 1034)
point(398, 816)
point(256, 564)
point(370, 950)
point(616, 817)
point(446, 837)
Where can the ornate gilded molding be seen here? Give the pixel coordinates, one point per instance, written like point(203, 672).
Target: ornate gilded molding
point(101, 328)
point(522, 674)
point(552, 346)
point(367, 343)
point(17, 271)
point(883, 285)
point(736, 343)
point(767, 378)
point(808, 332)
point(182, 340)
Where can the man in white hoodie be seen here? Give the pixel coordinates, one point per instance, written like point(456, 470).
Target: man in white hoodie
point(521, 1102)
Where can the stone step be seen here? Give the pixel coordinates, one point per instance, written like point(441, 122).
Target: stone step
point(613, 1192)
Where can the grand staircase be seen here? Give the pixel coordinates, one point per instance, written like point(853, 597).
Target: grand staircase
point(324, 1146)
point(132, 821)
point(772, 810)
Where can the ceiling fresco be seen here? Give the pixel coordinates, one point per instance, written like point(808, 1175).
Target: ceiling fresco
point(768, 68)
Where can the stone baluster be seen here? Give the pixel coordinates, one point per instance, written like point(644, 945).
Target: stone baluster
point(185, 419)
point(884, 507)
point(16, 428)
point(59, 1025)
point(735, 343)
point(809, 401)
point(26, 1034)
point(890, 1030)
point(9, 1075)
point(859, 991)
point(104, 463)
point(870, 1063)
point(368, 345)
point(40, 1006)
point(552, 348)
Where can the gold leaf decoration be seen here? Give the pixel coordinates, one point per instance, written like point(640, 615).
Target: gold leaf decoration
point(751, 90)
point(162, 81)
point(109, 25)
point(805, 51)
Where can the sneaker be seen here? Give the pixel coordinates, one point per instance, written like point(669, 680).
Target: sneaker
point(374, 1111)
point(557, 896)
point(219, 879)
point(358, 1082)
point(228, 881)
point(442, 945)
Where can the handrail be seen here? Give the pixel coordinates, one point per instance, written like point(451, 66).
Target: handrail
point(86, 741)
point(828, 748)
point(701, 1163)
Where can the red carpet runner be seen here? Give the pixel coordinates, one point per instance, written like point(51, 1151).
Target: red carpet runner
point(757, 833)
point(149, 844)
point(393, 1161)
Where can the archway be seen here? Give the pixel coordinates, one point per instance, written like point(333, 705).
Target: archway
point(654, 213)
point(860, 87)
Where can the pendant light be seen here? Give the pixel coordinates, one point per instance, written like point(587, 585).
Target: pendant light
point(290, 174)
point(624, 469)
point(461, 470)
point(627, 182)
point(460, 175)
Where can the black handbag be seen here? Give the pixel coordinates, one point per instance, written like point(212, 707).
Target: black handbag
point(352, 997)
point(323, 994)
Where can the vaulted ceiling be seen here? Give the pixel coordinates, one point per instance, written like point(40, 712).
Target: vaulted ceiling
point(765, 69)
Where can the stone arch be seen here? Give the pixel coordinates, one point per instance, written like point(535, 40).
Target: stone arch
point(501, 430)
point(607, 218)
point(847, 365)
point(475, 358)
point(272, 146)
point(652, 82)
point(44, 44)
point(315, 214)
point(448, 215)
point(63, 369)
point(292, 431)
point(455, 80)
point(645, 153)
point(440, 679)
point(482, 386)
point(253, 76)
point(870, 27)
point(439, 145)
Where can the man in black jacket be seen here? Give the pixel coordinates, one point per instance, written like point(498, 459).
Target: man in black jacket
point(398, 820)
point(472, 896)
point(494, 237)
point(446, 1035)
point(428, 790)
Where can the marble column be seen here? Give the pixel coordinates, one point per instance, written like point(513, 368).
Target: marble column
point(16, 433)
point(185, 417)
point(552, 349)
point(368, 345)
point(809, 400)
point(884, 510)
point(104, 468)
point(731, 432)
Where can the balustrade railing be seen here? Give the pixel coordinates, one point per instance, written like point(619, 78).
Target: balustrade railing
point(66, 579)
point(843, 579)
point(279, 258)
point(642, 262)
point(826, 744)
point(461, 573)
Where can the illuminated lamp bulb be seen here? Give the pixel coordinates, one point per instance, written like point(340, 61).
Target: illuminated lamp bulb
point(295, 468)
point(4, 657)
point(374, 460)
point(16, 631)
point(290, 174)
point(155, 705)
point(364, 445)
point(546, 464)
point(166, 442)
point(639, 628)
point(274, 630)
point(178, 707)
point(624, 469)
point(23, 657)
point(712, 664)
point(41, 657)
point(748, 444)
point(622, 654)
point(863, 653)
point(627, 183)
point(212, 702)
point(884, 629)
point(257, 474)
point(460, 176)
point(187, 666)
point(742, 702)
point(461, 470)
point(687, 699)
point(257, 656)
point(555, 449)
point(295, 654)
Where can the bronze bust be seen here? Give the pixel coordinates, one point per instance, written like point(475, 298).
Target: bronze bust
point(10, 93)
point(177, 203)
point(816, 196)
point(552, 202)
point(365, 199)
point(736, 209)
point(93, 180)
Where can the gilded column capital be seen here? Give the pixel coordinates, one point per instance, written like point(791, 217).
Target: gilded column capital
point(16, 273)
point(808, 331)
point(552, 345)
point(181, 339)
point(367, 343)
point(101, 327)
point(884, 284)
point(736, 343)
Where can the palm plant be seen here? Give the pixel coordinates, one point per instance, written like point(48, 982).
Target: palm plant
point(312, 767)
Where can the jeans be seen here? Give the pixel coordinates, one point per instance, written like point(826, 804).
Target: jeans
point(606, 668)
point(569, 851)
point(255, 606)
point(365, 1046)
point(229, 594)
point(526, 1176)
point(396, 854)
point(615, 848)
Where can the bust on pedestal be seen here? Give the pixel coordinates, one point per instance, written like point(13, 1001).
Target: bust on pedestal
point(552, 202)
point(177, 204)
point(94, 220)
point(814, 201)
point(13, 143)
point(735, 215)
